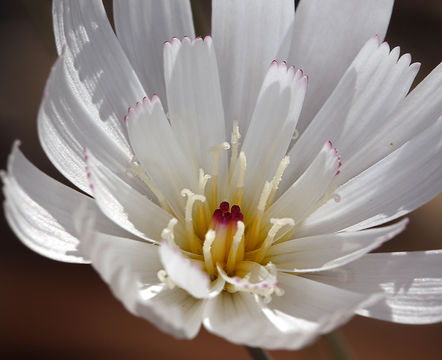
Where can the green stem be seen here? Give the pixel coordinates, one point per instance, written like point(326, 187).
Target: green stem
point(339, 346)
point(258, 353)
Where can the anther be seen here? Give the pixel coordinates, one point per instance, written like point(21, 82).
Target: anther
point(235, 209)
point(222, 215)
point(224, 206)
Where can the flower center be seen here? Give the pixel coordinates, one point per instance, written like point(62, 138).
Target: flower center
point(213, 231)
point(230, 244)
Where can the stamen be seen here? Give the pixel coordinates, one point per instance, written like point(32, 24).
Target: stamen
point(207, 246)
point(203, 211)
point(215, 172)
point(164, 278)
point(256, 279)
point(167, 233)
point(139, 172)
point(235, 248)
point(252, 234)
point(277, 178)
point(264, 196)
point(203, 178)
point(236, 136)
point(277, 224)
point(194, 244)
point(239, 191)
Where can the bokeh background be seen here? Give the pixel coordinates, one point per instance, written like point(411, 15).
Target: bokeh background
point(50, 310)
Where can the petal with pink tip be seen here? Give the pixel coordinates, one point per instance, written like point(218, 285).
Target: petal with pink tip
point(142, 26)
point(248, 35)
point(327, 36)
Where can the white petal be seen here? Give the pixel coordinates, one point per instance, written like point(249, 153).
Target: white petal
point(293, 320)
point(370, 90)
point(299, 200)
point(123, 204)
point(411, 281)
point(396, 185)
point(272, 126)
point(324, 252)
point(314, 301)
point(130, 268)
point(68, 121)
point(240, 319)
point(142, 27)
point(173, 311)
point(98, 65)
point(188, 274)
point(157, 149)
point(39, 210)
point(194, 98)
point(386, 90)
point(423, 103)
point(248, 35)
point(257, 276)
point(327, 36)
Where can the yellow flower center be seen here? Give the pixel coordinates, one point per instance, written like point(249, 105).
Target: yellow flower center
point(214, 232)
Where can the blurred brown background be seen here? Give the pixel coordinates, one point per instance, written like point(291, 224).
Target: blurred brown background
point(50, 310)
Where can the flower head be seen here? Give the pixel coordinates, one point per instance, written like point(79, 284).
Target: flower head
point(216, 194)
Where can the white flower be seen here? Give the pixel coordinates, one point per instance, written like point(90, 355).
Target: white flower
point(205, 209)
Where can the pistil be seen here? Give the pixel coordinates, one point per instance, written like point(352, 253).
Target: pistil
point(207, 252)
point(202, 208)
point(194, 243)
point(167, 233)
point(236, 136)
point(213, 191)
point(253, 233)
point(138, 171)
point(277, 178)
point(237, 248)
point(239, 189)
